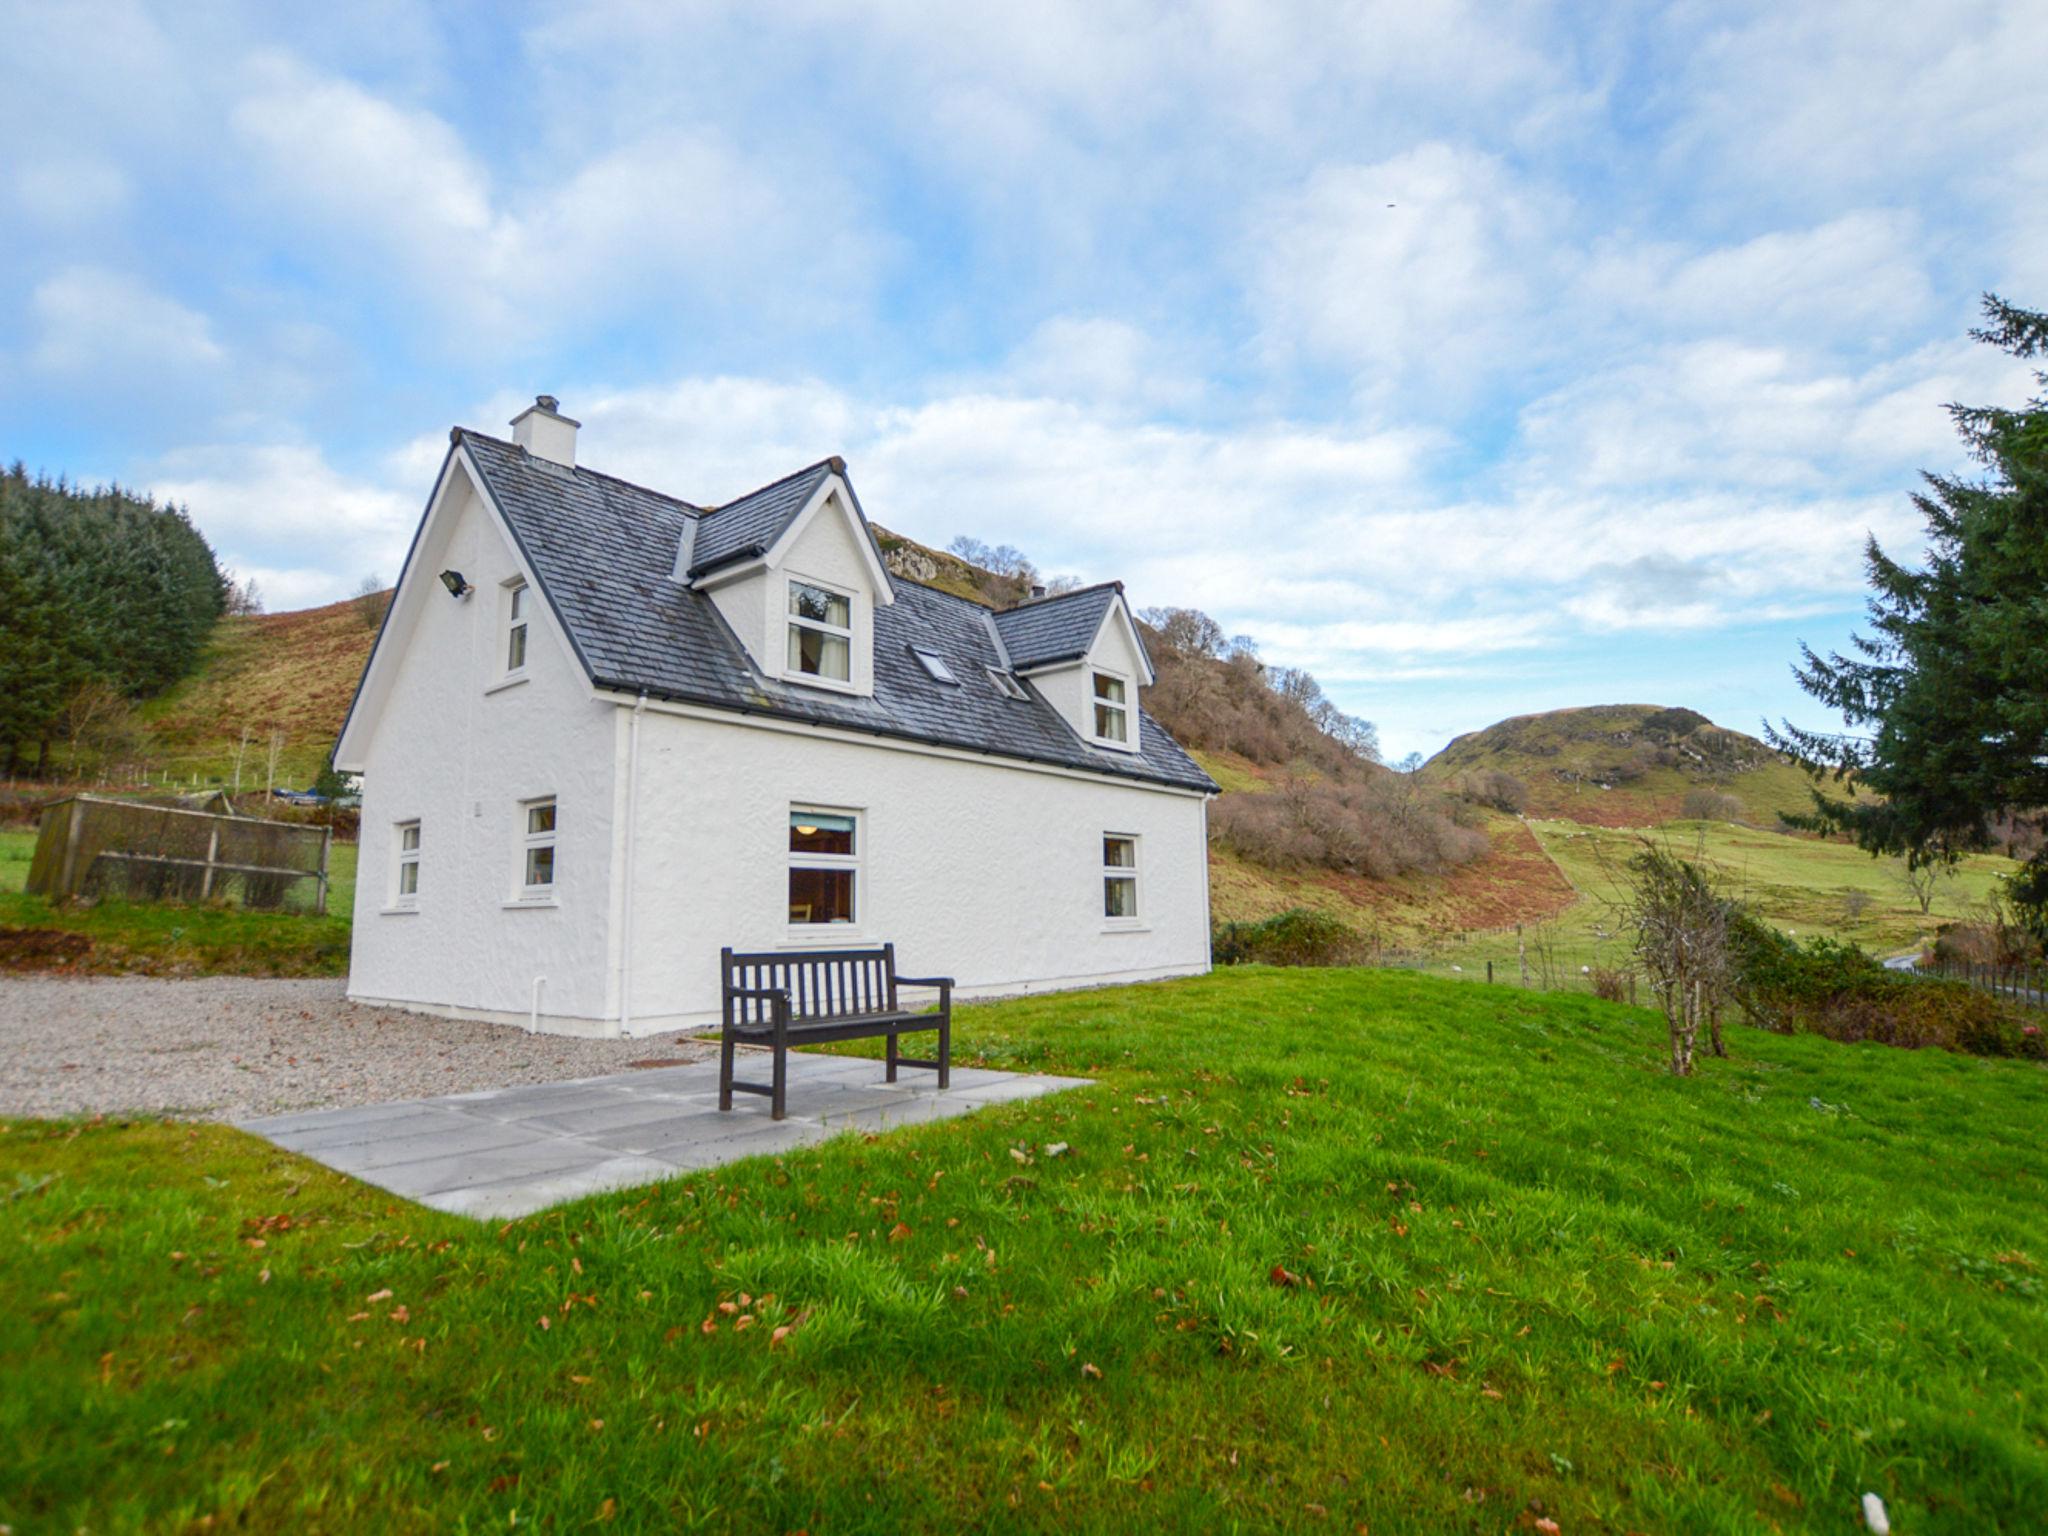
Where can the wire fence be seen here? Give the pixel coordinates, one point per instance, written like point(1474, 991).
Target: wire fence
point(93, 846)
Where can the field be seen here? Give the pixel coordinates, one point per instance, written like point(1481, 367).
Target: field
point(1801, 884)
point(171, 939)
point(1324, 1250)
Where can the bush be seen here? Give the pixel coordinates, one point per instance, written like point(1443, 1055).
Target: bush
point(1297, 936)
point(1490, 786)
point(1380, 828)
point(1611, 984)
point(1829, 988)
point(1713, 805)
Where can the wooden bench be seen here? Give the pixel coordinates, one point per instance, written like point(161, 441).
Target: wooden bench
point(782, 999)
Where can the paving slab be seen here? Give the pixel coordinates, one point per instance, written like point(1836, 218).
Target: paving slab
point(495, 1154)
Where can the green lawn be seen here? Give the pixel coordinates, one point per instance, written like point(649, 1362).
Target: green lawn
point(1326, 1251)
point(172, 938)
point(1808, 886)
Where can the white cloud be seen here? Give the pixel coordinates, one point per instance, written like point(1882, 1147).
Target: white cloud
point(71, 191)
point(100, 325)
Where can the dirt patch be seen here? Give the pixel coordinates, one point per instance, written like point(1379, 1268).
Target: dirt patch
point(42, 949)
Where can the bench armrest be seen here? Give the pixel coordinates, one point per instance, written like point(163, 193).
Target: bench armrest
point(925, 981)
point(769, 993)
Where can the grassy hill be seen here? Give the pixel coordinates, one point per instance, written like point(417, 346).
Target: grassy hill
point(1625, 765)
point(1319, 1251)
point(288, 672)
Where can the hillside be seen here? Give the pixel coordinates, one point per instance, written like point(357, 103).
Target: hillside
point(1626, 765)
point(288, 672)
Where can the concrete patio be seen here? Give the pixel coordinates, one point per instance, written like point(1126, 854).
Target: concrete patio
point(510, 1151)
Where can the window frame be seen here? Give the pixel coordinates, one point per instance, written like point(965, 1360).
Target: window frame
point(515, 620)
point(827, 933)
point(1131, 873)
point(403, 859)
point(936, 667)
point(1008, 684)
point(793, 621)
point(524, 893)
point(1123, 707)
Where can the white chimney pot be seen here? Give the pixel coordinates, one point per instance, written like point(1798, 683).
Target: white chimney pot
point(543, 431)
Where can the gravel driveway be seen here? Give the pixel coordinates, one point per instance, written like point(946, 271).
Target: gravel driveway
point(232, 1047)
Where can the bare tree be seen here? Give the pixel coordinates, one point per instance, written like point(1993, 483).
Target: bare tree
point(371, 600)
point(1681, 926)
point(270, 768)
point(1920, 880)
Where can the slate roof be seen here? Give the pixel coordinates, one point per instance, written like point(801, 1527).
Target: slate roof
point(605, 553)
point(1055, 629)
point(744, 529)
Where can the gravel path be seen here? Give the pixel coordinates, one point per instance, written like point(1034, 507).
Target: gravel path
point(229, 1047)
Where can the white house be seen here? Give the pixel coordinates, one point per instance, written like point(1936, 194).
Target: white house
point(604, 733)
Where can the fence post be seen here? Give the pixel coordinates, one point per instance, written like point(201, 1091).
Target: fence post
point(1489, 973)
point(1522, 954)
point(212, 856)
point(326, 837)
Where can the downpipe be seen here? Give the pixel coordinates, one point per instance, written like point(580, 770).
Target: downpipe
point(533, 1009)
point(626, 895)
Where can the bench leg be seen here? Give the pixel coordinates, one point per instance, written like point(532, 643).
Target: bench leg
point(946, 1048)
point(725, 1072)
point(781, 1077)
point(892, 1057)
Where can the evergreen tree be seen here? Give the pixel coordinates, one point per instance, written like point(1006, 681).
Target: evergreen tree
point(1952, 685)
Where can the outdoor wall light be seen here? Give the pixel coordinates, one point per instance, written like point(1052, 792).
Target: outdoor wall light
point(456, 586)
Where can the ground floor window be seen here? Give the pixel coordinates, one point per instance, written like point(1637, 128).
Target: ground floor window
point(537, 866)
point(1119, 877)
point(406, 877)
point(824, 867)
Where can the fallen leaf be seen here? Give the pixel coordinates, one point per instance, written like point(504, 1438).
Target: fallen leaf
point(1056, 1149)
point(1282, 1275)
point(401, 1315)
point(1547, 1526)
point(898, 1232)
point(546, 1322)
point(376, 1296)
point(710, 1325)
point(742, 1323)
point(1091, 1370)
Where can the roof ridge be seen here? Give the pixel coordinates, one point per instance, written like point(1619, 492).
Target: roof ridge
point(831, 461)
point(584, 469)
point(1060, 597)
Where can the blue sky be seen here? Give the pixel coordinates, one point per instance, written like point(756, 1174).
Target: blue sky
point(1481, 360)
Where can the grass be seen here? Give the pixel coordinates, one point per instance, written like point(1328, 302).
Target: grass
point(1807, 886)
point(174, 938)
point(1326, 1251)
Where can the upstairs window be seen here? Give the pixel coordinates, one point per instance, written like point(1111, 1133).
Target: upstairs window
point(824, 868)
point(1112, 709)
point(517, 600)
point(820, 633)
point(537, 860)
point(1119, 878)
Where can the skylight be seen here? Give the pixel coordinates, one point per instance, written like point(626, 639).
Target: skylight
point(935, 664)
point(1006, 684)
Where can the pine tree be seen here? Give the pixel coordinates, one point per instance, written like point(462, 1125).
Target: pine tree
point(1952, 683)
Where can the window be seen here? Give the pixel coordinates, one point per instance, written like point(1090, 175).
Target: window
point(517, 599)
point(820, 633)
point(1119, 877)
point(935, 664)
point(824, 868)
point(406, 877)
point(1007, 684)
point(537, 857)
point(1112, 712)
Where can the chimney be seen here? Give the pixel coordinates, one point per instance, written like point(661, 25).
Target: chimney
point(1037, 590)
point(543, 431)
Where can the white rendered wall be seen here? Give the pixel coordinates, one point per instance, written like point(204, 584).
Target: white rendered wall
point(990, 874)
point(459, 755)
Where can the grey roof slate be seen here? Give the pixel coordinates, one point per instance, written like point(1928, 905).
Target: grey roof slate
point(605, 552)
point(743, 529)
point(1054, 629)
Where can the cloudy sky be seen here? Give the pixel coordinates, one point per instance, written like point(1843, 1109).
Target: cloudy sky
point(1480, 359)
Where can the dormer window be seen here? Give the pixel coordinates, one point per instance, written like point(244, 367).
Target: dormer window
point(1112, 709)
point(820, 633)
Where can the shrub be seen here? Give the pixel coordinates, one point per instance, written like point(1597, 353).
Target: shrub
point(1380, 828)
point(1297, 936)
point(1611, 984)
point(1713, 805)
point(1491, 786)
point(1829, 988)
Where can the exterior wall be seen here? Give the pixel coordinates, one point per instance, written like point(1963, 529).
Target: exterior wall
point(991, 874)
point(757, 605)
point(460, 755)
